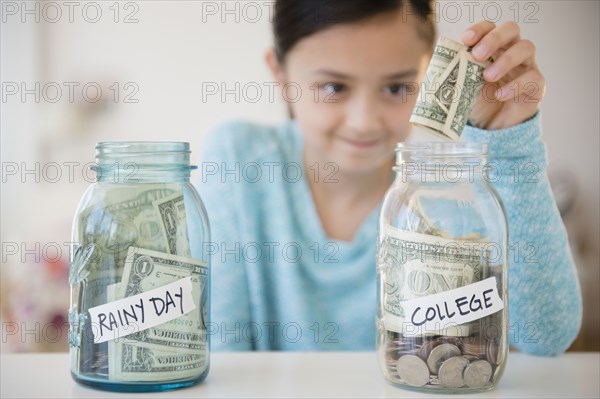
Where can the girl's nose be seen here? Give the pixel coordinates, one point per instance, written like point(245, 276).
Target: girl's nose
point(363, 115)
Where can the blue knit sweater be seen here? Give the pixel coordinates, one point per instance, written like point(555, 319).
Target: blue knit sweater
point(279, 283)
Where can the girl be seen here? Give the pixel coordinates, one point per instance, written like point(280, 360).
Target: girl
point(294, 240)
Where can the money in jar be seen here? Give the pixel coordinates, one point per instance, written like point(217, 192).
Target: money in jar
point(452, 83)
point(441, 271)
point(139, 272)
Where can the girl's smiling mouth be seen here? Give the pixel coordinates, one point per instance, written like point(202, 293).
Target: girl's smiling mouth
point(362, 143)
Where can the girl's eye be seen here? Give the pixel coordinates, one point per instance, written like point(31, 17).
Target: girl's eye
point(333, 88)
point(395, 89)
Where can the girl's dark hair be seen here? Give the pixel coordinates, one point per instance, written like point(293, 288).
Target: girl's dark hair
point(294, 20)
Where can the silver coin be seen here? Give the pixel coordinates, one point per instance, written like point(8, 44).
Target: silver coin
point(439, 354)
point(492, 349)
point(412, 370)
point(477, 374)
point(426, 349)
point(451, 372)
point(473, 348)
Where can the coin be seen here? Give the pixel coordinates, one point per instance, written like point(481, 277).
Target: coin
point(396, 352)
point(491, 351)
point(400, 346)
point(413, 371)
point(426, 349)
point(439, 354)
point(451, 372)
point(477, 374)
point(473, 346)
point(450, 340)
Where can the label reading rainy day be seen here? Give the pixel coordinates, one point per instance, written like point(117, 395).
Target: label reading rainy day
point(139, 312)
point(457, 306)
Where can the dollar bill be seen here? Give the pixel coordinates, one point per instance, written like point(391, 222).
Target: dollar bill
point(140, 363)
point(452, 83)
point(119, 219)
point(129, 227)
point(173, 350)
point(130, 360)
point(171, 211)
point(126, 217)
point(122, 218)
point(416, 265)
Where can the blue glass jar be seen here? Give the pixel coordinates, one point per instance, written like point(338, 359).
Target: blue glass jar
point(139, 273)
point(442, 271)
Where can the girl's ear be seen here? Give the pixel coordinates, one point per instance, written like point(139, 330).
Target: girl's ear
point(275, 67)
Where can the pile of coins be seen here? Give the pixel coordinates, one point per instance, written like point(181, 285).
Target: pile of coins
point(450, 362)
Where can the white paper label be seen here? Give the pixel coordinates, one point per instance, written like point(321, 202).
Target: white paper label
point(454, 307)
point(139, 312)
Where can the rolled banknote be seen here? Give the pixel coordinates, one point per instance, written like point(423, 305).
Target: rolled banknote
point(452, 83)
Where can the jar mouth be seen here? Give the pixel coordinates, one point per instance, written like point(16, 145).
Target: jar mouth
point(435, 150)
point(155, 153)
point(443, 148)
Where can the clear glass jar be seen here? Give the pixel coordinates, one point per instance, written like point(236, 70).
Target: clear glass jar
point(139, 272)
point(441, 270)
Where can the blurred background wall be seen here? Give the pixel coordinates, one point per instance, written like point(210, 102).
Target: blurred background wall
point(75, 73)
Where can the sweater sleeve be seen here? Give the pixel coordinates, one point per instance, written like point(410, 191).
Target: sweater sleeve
point(545, 307)
point(230, 301)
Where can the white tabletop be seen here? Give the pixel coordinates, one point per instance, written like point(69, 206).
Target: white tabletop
point(286, 374)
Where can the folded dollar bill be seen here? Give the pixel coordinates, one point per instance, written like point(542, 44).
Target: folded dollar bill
point(452, 83)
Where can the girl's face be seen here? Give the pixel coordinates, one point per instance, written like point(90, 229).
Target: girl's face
point(359, 84)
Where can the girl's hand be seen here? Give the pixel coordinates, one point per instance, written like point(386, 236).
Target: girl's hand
point(514, 85)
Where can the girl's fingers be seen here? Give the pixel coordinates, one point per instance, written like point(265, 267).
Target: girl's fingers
point(495, 40)
point(531, 85)
point(476, 32)
point(522, 52)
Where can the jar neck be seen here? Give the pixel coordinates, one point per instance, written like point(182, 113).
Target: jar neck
point(142, 162)
point(442, 162)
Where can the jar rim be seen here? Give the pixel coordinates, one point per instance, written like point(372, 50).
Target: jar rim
point(149, 154)
point(143, 146)
point(435, 149)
